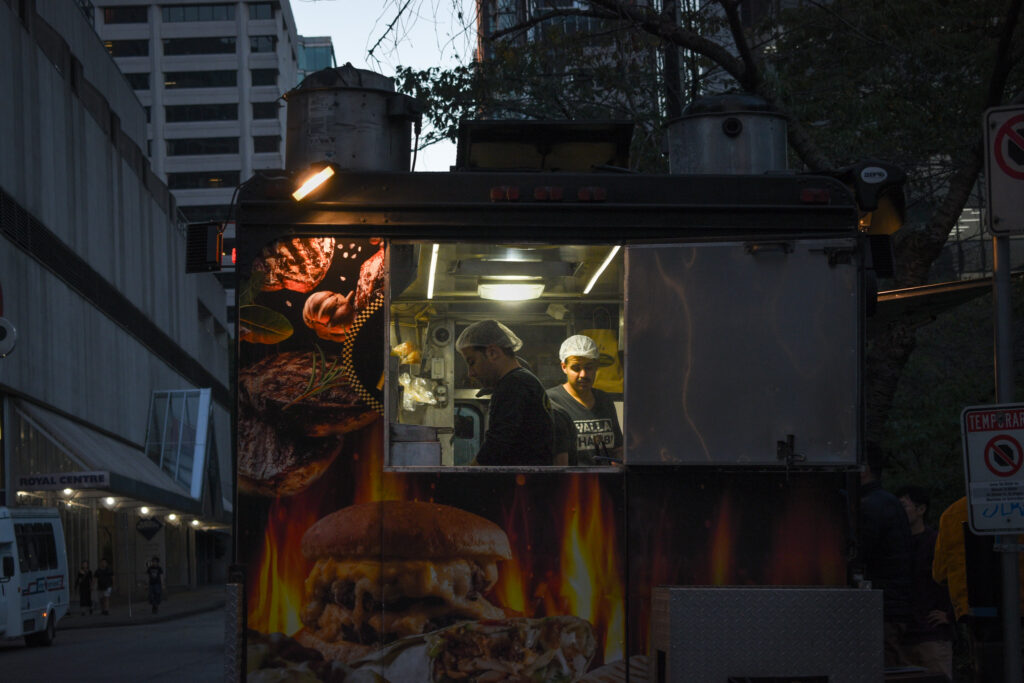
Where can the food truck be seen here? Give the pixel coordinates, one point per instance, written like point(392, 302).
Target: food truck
point(729, 310)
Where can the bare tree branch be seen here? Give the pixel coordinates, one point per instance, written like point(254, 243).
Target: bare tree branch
point(751, 76)
point(390, 27)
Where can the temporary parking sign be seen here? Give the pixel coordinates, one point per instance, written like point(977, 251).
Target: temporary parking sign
point(993, 459)
point(1004, 169)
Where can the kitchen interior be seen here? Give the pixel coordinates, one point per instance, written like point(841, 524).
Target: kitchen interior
point(543, 292)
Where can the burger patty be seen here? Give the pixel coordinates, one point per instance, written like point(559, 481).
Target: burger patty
point(369, 603)
point(277, 463)
point(305, 391)
point(298, 264)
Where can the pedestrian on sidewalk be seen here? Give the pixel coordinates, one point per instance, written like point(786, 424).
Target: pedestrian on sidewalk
point(104, 585)
point(155, 574)
point(83, 582)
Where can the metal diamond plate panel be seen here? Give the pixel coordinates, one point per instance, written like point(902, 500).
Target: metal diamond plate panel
point(711, 634)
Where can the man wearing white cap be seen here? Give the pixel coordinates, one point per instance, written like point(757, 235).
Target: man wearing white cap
point(591, 410)
point(520, 430)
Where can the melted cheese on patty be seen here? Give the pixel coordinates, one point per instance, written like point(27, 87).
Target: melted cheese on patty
point(450, 581)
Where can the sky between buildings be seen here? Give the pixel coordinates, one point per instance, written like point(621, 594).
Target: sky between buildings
point(431, 35)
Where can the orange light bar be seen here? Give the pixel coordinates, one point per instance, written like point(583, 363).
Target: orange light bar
point(313, 183)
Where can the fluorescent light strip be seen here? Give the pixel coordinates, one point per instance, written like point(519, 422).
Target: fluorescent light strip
point(433, 269)
point(313, 183)
point(607, 260)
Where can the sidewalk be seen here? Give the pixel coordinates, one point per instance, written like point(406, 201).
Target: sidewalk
point(177, 603)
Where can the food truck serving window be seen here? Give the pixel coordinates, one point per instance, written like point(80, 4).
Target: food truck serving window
point(439, 409)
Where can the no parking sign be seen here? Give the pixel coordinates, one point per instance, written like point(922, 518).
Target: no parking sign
point(993, 456)
point(1004, 169)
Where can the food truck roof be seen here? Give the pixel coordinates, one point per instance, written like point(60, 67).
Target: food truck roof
point(593, 207)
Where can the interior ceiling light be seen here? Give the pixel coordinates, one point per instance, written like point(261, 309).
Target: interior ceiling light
point(433, 270)
point(312, 183)
point(509, 291)
point(607, 260)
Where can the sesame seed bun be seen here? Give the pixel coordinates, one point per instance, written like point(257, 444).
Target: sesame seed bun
point(404, 530)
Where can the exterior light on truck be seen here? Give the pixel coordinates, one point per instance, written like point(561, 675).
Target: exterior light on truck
point(607, 260)
point(312, 183)
point(509, 291)
point(433, 270)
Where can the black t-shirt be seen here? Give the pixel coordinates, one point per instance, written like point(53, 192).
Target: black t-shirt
point(597, 429)
point(104, 578)
point(154, 572)
point(519, 426)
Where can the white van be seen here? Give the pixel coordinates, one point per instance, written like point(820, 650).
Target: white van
point(34, 591)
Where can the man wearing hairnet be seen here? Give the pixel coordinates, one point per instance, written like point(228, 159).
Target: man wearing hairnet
point(598, 436)
point(519, 426)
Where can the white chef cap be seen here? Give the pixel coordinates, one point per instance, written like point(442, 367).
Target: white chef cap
point(487, 332)
point(578, 345)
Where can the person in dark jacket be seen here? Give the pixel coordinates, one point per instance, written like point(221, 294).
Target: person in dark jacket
point(884, 553)
point(928, 641)
point(520, 429)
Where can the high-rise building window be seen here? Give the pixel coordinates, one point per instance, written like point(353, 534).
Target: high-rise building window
point(189, 146)
point(138, 81)
point(264, 76)
point(264, 110)
point(178, 113)
point(200, 79)
point(127, 48)
point(215, 12)
point(199, 46)
point(134, 14)
point(261, 10)
point(262, 43)
point(266, 143)
point(202, 180)
point(147, 114)
point(316, 57)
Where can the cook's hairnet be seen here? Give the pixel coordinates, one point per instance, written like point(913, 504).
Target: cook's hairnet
point(578, 345)
point(487, 332)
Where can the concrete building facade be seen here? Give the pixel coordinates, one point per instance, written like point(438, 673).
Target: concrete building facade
point(114, 399)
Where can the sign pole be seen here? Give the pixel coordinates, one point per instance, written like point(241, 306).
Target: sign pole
point(1004, 393)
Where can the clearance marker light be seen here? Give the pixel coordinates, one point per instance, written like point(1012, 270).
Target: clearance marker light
point(433, 269)
point(607, 260)
point(313, 183)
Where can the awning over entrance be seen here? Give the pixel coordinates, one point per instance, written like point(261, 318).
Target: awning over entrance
point(131, 473)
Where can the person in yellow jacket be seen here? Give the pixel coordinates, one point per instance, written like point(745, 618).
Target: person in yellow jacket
point(950, 567)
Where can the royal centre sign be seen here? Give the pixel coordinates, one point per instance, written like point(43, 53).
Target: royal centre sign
point(58, 481)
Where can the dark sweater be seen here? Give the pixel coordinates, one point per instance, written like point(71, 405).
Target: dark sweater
point(885, 549)
point(519, 426)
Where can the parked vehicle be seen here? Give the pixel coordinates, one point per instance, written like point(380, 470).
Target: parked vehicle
point(34, 590)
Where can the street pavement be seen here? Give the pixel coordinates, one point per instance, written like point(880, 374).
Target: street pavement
point(177, 603)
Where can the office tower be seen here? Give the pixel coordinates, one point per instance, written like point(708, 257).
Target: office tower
point(210, 76)
point(315, 53)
